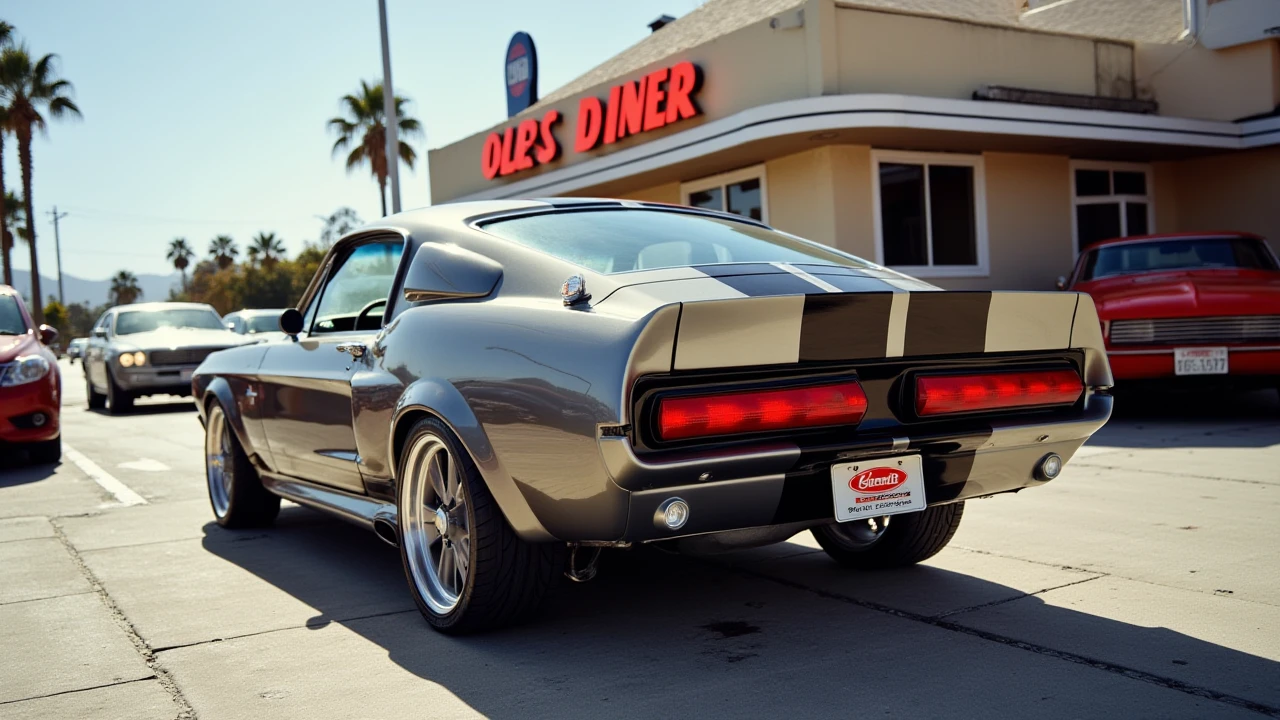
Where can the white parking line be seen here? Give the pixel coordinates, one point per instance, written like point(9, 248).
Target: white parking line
point(118, 490)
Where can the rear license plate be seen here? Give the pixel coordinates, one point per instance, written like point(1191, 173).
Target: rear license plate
point(874, 488)
point(1200, 361)
point(186, 375)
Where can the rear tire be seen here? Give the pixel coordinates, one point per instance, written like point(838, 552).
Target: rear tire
point(97, 400)
point(467, 569)
point(235, 490)
point(904, 540)
point(118, 401)
point(47, 452)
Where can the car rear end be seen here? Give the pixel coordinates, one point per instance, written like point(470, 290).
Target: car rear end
point(1242, 348)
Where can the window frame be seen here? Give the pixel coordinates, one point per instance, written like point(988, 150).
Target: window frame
point(983, 267)
point(1076, 200)
point(339, 257)
point(723, 180)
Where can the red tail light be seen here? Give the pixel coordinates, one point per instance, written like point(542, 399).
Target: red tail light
point(761, 410)
point(945, 394)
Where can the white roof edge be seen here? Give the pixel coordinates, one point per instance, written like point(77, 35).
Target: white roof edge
point(836, 112)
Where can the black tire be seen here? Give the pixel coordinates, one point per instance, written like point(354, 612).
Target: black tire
point(47, 452)
point(506, 577)
point(905, 540)
point(97, 400)
point(118, 401)
point(236, 495)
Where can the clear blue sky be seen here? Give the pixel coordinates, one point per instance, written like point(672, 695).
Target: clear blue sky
point(202, 118)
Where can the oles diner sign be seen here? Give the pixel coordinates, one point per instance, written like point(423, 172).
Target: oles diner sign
point(662, 97)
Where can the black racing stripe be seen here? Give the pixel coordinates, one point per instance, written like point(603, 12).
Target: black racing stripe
point(845, 326)
point(849, 283)
point(739, 269)
point(805, 496)
point(784, 283)
point(947, 323)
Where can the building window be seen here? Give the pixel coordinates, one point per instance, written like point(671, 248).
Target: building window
point(1110, 200)
point(741, 192)
point(930, 213)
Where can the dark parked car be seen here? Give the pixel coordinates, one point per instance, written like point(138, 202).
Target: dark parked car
point(489, 384)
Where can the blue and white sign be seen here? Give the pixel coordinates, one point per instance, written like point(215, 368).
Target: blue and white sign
point(521, 73)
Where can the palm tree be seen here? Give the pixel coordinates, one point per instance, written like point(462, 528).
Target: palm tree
point(124, 288)
point(266, 247)
point(363, 132)
point(6, 239)
point(25, 87)
point(180, 254)
point(224, 251)
point(11, 216)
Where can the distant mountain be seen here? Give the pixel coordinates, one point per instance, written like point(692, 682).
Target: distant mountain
point(94, 292)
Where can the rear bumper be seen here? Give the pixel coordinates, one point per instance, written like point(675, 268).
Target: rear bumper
point(782, 484)
point(1157, 364)
point(20, 407)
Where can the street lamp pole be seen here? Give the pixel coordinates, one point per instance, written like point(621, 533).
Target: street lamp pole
point(389, 112)
point(57, 246)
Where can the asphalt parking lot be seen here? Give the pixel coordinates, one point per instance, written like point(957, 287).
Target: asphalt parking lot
point(1144, 582)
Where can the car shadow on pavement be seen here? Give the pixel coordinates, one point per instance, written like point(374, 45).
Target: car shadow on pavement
point(759, 635)
point(151, 408)
point(15, 469)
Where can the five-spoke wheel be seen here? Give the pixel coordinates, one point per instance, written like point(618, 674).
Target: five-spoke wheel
point(437, 534)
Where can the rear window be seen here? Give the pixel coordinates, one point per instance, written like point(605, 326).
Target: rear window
point(1181, 254)
point(616, 241)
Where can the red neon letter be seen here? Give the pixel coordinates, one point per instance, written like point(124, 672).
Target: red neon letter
point(611, 115)
point(631, 112)
point(507, 166)
point(654, 117)
point(589, 115)
point(686, 79)
point(491, 156)
point(548, 149)
point(526, 133)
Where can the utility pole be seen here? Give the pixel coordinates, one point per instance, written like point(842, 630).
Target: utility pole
point(57, 246)
point(389, 112)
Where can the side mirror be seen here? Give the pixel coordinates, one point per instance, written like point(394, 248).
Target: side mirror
point(1061, 284)
point(291, 322)
point(100, 332)
point(443, 272)
point(48, 335)
point(230, 326)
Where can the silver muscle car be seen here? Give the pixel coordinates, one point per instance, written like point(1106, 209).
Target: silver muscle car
point(503, 388)
point(150, 349)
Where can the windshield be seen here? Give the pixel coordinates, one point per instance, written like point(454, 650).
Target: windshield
point(614, 241)
point(1180, 254)
point(137, 321)
point(262, 323)
point(11, 320)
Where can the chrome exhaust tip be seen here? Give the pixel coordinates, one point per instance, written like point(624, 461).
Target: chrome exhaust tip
point(386, 528)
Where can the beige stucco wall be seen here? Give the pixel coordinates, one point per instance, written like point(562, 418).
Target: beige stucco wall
point(1197, 82)
point(1235, 191)
point(893, 53)
point(1028, 221)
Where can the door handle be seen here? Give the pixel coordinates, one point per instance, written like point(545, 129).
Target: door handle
point(354, 349)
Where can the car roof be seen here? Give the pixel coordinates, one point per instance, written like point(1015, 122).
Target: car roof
point(257, 311)
point(163, 306)
point(1175, 236)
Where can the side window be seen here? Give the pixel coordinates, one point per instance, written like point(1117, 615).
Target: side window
point(355, 297)
point(104, 321)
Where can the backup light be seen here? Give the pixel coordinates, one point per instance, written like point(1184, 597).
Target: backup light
point(945, 394)
point(761, 410)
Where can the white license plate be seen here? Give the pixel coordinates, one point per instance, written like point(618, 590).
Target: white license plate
point(186, 375)
point(1200, 361)
point(874, 488)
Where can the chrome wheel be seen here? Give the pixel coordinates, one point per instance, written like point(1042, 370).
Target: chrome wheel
point(434, 524)
point(219, 461)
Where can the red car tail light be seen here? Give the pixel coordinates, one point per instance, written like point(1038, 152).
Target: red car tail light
point(944, 394)
point(761, 410)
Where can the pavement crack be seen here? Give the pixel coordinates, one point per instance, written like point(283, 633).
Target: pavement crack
point(309, 625)
point(993, 603)
point(1103, 665)
point(185, 711)
point(46, 597)
point(1084, 462)
point(78, 690)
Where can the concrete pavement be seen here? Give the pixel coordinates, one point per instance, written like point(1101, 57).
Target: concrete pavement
point(1142, 583)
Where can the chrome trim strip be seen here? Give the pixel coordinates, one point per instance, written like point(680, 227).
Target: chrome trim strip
point(347, 455)
point(356, 509)
point(1169, 351)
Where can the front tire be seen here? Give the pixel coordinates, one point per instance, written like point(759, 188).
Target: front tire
point(97, 400)
point(467, 569)
point(893, 541)
point(47, 452)
point(235, 491)
point(118, 401)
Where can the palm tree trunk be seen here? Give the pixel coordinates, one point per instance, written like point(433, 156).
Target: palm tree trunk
point(382, 194)
point(4, 221)
point(24, 159)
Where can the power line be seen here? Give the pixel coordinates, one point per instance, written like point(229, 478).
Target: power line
point(116, 216)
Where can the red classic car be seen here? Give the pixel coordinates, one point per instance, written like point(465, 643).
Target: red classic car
point(1191, 304)
point(30, 385)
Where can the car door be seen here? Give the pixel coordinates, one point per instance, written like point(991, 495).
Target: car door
point(306, 383)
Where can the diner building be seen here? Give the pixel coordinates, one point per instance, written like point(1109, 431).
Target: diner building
point(980, 144)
